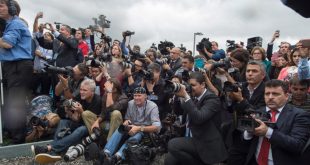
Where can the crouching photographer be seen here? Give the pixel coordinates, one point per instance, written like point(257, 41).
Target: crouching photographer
point(202, 143)
point(141, 118)
point(71, 129)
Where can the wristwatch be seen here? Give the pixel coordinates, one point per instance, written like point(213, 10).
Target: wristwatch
point(142, 128)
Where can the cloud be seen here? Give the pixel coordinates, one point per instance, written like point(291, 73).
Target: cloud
point(176, 21)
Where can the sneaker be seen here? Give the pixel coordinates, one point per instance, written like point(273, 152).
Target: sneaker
point(38, 149)
point(46, 158)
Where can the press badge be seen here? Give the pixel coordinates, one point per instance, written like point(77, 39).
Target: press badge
point(152, 97)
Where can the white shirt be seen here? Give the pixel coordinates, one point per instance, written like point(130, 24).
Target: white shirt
point(248, 136)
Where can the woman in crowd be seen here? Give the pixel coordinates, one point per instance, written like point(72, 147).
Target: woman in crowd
point(259, 54)
point(239, 59)
point(291, 70)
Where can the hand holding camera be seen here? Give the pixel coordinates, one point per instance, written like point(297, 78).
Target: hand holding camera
point(108, 86)
point(39, 15)
point(261, 130)
point(63, 80)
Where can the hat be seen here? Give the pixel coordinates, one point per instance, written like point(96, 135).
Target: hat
point(139, 90)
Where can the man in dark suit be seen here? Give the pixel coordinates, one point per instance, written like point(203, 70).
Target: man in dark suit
point(251, 95)
point(282, 144)
point(203, 143)
point(65, 47)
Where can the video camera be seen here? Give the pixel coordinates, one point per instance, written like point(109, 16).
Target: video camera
point(246, 119)
point(106, 38)
point(67, 71)
point(128, 33)
point(204, 43)
point(254, 41)
point(100, 21)
point(162, 47)
point(78, 150)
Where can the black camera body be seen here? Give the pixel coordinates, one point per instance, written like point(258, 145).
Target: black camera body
point(128, 33)
point(204, 43)
point(36, 121)
point(68, 71)
point(163, 45)
point(246, 120)
point(163, 61)
point(148, 75)
point(230, 87)
point(254, 41)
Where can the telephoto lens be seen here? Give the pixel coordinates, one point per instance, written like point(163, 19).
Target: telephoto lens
point(74, 152)
point(171, 87)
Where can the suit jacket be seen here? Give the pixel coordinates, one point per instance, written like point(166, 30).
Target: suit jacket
point(288, 139)
point(67, 53)
point(204, 122)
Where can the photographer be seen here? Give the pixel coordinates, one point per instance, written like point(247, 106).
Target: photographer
point(141, 118)
point(65, 47)
point(239, 59)
point(42, 56)
point(251, 95)
point(133, 76)
point(71, 130)
point(17, 67)
point(216, 53)
point(282, 143)
point(175, 64)
point(69, 87)
point(155, 90)
point(203, 143)
point(114, 105)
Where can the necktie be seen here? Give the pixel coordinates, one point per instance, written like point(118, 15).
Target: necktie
point(264, 149)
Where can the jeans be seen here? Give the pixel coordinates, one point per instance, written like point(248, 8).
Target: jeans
point(78, 131)
point(114, 141)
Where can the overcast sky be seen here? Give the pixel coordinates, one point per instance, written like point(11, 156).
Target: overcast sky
point(176, 21)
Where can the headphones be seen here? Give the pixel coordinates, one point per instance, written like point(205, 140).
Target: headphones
point(12, 8)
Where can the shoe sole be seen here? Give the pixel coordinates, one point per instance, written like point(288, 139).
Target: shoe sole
point(32, 150)
point(46, 158)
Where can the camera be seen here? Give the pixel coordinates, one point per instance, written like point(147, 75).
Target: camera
point(69, 103)
point(128, 33)
point(57, 25)
point(126, 64)
point(100, 21)
point(97, 63)
point(162, 61)
point(106, 38)
point(173, 87)
point(124, 129)
point(68, 71)
point(162, 47)
point(246, 120)
point(204, 43)
point(230, 87)
point(254, 41)
point(148, 75)
point(78, 150)
point(36, 121)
